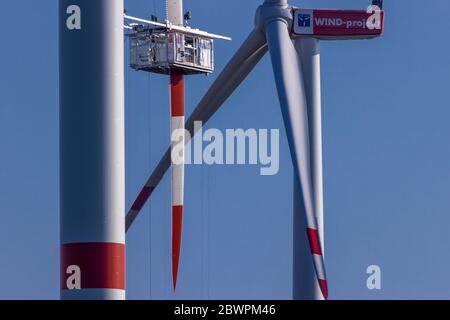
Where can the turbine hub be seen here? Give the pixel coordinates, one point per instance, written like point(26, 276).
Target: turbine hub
point(273, 10)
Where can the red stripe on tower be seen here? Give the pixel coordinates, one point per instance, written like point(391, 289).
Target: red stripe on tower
point(93, 266)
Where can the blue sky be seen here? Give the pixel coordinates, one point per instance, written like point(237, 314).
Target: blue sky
point(386, 163)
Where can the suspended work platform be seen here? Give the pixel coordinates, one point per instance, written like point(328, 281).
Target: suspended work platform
point(160, 47)
point(159, 51)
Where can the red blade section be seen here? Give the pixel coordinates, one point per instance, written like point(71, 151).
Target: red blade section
point(177, 226)
point(177, 93)
point(142, 198)
point(316, 251)
point(324, 288)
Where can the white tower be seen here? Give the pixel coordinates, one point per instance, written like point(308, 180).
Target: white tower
point(92, 161)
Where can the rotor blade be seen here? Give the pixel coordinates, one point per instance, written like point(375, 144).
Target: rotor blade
point(308, 51)
point(178, 161)
point(175, 16)
point(240, 65)
point(306, 287)
point(291, 92)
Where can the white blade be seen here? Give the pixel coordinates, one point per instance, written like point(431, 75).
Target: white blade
point(308, 51)
point(240, 65)
point(178, 160)
point(305, 286)
point(292, 96)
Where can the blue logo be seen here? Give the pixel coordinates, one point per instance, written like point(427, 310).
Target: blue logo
point(304, 20)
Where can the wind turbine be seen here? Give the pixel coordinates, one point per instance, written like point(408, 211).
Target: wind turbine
point(292, 37)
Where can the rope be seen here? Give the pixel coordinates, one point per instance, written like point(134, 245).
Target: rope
point(149, 78)
point(151, 204)
point(167, 9)
point(202, 211)
point(208, 235)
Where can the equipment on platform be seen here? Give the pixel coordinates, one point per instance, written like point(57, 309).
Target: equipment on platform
point(157, 50)
point(159, 47)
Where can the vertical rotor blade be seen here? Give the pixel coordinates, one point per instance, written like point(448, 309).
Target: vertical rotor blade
point(291, 92)
point(240, 65)
point(175, 15)
point(308, 50)
point(177, 157)
point(305, 288)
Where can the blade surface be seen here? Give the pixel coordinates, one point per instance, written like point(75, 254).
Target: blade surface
point(240, 65)
point(305, 286)
point(292, 96)
point(178, 161)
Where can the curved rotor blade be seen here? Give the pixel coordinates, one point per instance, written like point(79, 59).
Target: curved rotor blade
point(240, 65)
point(305, 286)
point(292, 96)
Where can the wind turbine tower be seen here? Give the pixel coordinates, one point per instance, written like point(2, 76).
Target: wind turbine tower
point(92, 153)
